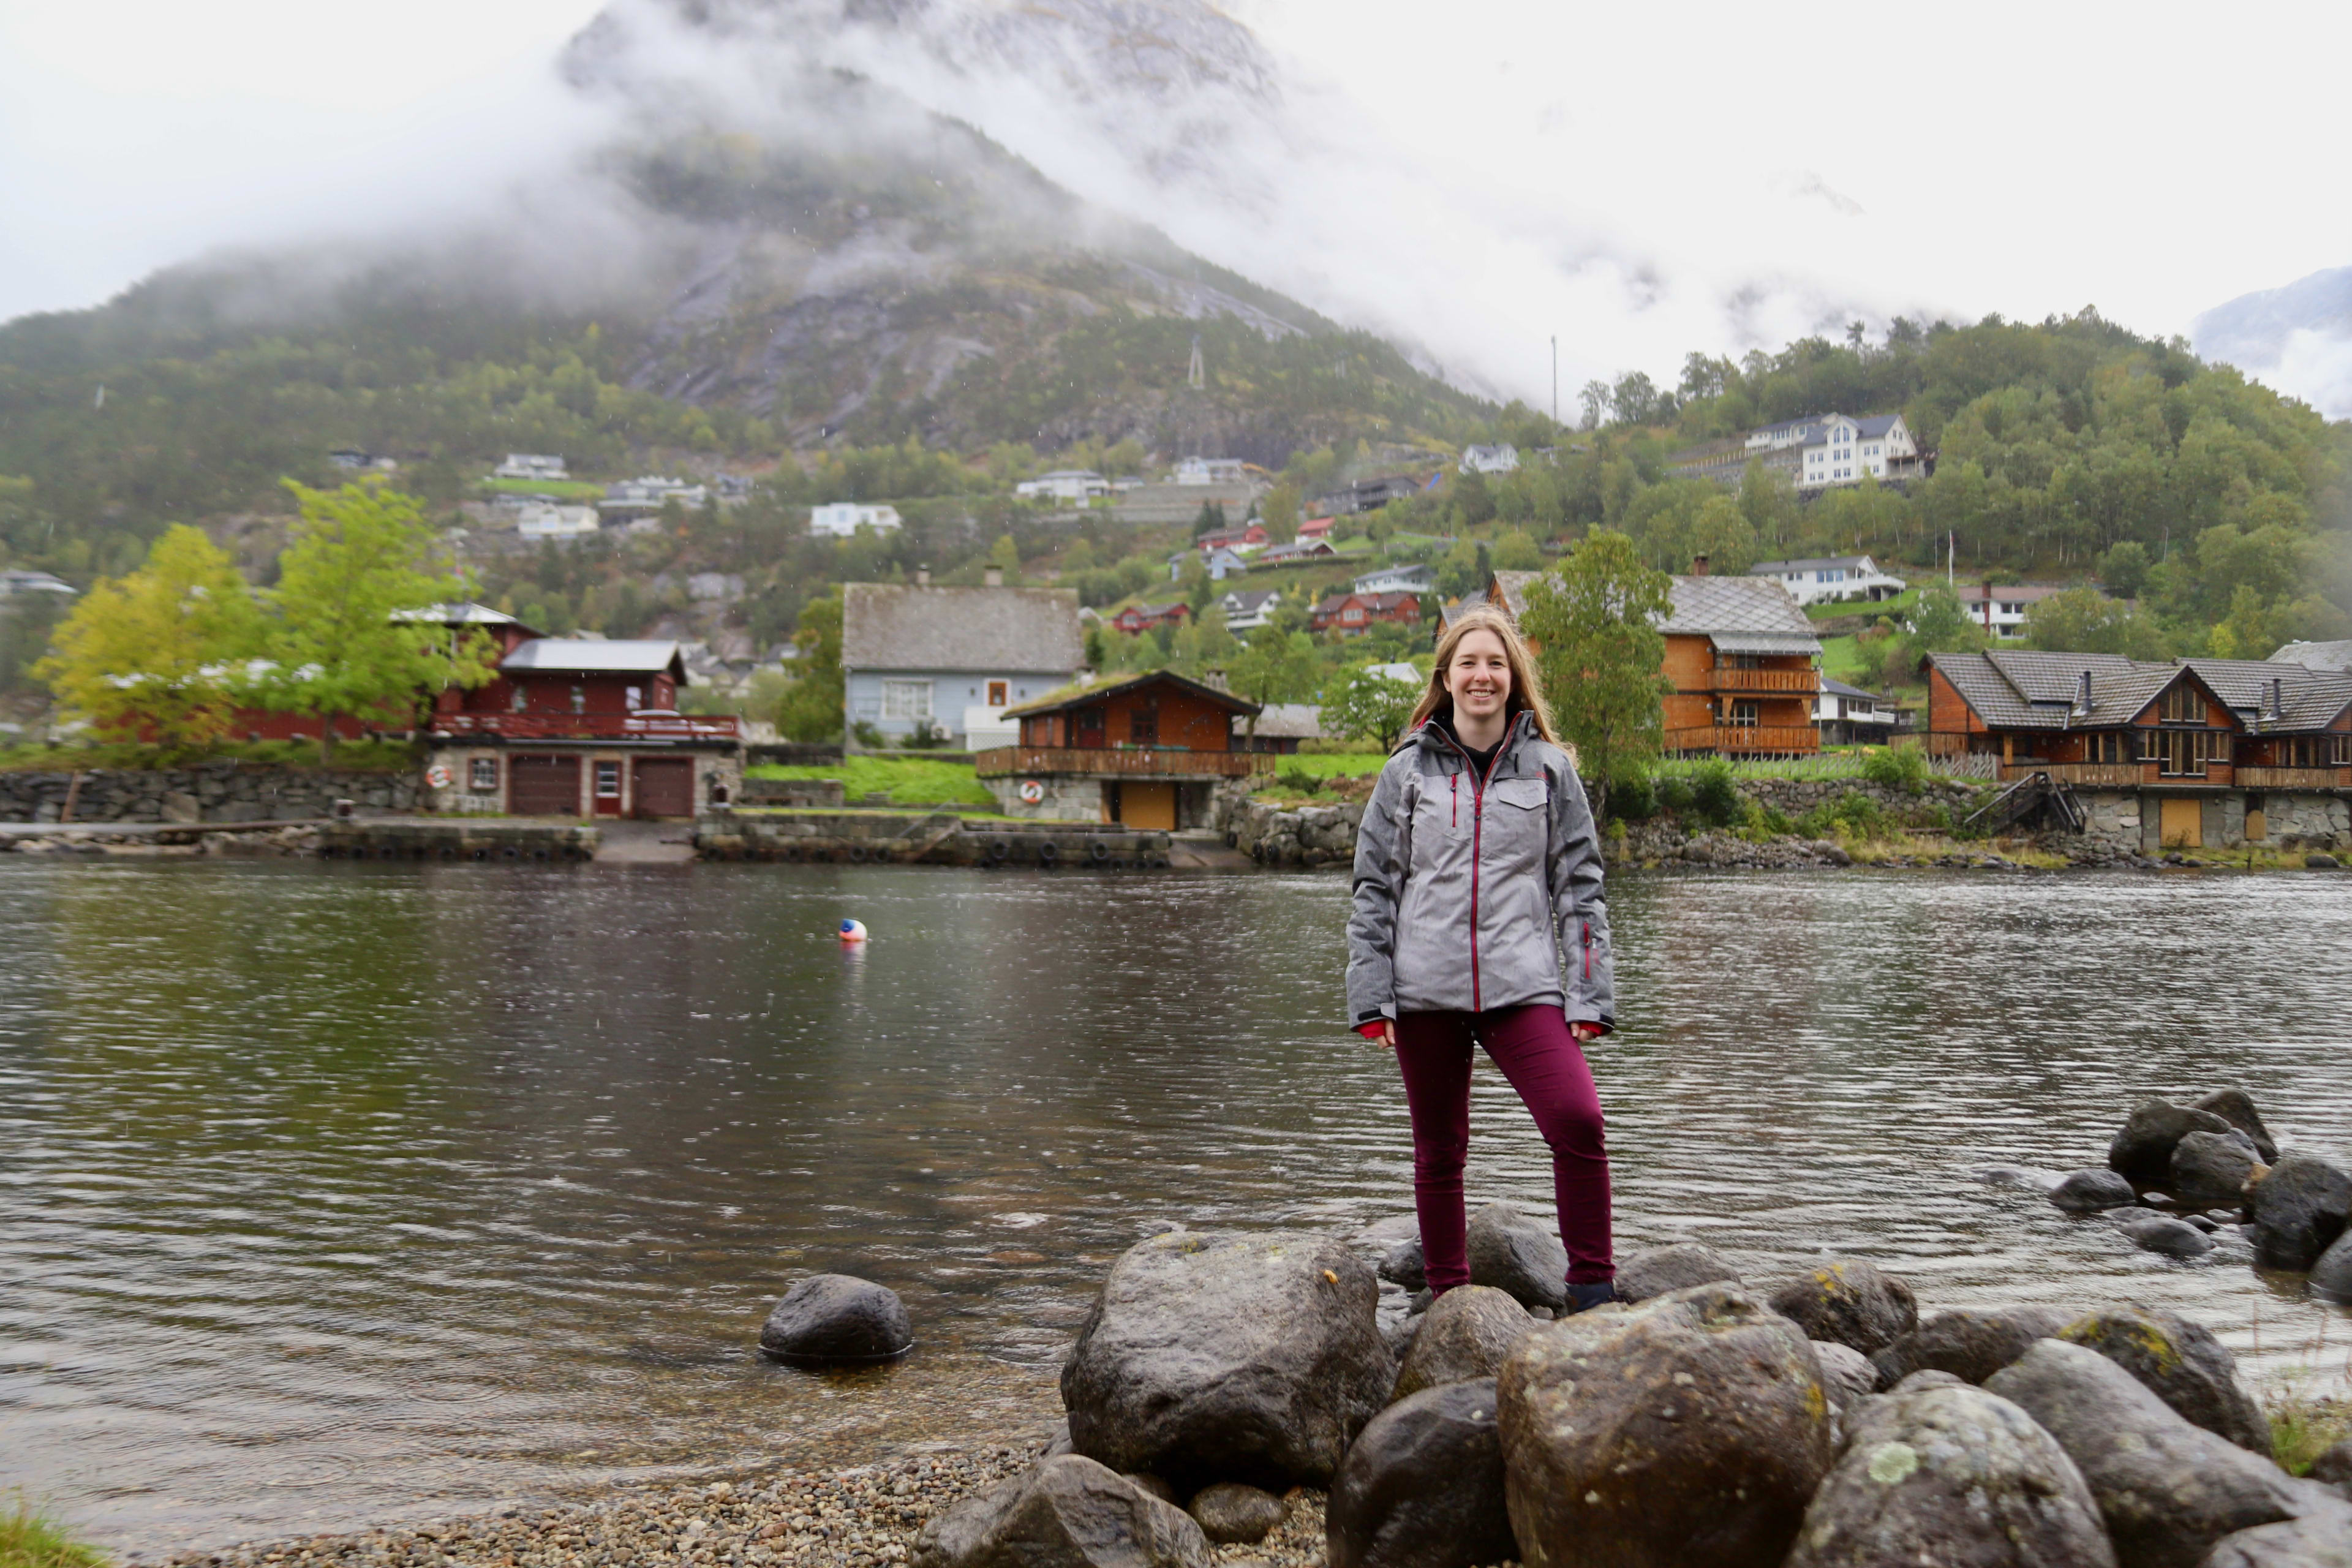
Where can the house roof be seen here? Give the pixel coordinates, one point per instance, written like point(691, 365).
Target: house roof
point(2315, 655)
point(579, 656)
point(1248, 600)
point(1779, 642)
point(1810, 563)
point(1154, 612)
point(2278, 699)
point(1877, 423)
point(2025, 689)
point(1513, 587)
point(455, 614)
point(1286, 721)
point(1086, 692)
point(1834, 688)
point(2022, 593)
point(894, 626)
point(1705, 606)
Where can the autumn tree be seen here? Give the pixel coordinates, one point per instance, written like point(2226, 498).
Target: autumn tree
point(1595, 620)
point(160, 651)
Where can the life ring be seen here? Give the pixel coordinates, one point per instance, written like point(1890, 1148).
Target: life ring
point(439, 776)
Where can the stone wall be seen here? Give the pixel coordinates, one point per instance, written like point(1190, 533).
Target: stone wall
point(1794, 797)
point(1065, 799)
point(209, 791)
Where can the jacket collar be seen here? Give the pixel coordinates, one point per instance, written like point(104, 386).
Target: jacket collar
point(1432, 737)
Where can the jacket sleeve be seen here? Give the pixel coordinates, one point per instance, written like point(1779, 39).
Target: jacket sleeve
point(1578, 908)
point(1383, 851)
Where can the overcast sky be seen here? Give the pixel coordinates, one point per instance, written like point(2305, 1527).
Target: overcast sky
point(1624, 176)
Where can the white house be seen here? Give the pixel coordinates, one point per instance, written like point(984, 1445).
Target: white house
point(541, 521)
point(843, 519)
point(1499, 459)
point(1849, 716)
point(631, 498)
point(1076, 487)
point(1223, 562)
point(1820, 579)
point(1208, 471)
point(918, 657)
point(2000, 608)
point(1840, 450)
point(1416, 577)
point(529, 466)
point(19, 582)
point(1245, 610)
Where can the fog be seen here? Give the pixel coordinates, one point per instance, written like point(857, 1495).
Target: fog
point(1471, 180)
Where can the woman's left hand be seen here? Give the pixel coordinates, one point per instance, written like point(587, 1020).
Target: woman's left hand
point(1585, 1031)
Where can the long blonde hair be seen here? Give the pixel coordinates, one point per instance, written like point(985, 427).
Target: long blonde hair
point(1527, 686)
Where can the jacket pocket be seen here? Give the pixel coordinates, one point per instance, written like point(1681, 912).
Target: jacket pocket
point(1518, 826)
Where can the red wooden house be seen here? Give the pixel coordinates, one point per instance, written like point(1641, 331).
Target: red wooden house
point(1350, 614)
point(1144, 750)
point(1136, 619)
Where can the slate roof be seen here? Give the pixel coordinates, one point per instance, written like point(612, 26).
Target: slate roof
point(1831, 687)
point(893, 626)
point(1088, 691)
point(1281, 720)
point(1872, 425)
point(581, 656)
point(1513, 586)
point(2315, 655)
point(2023, 689)
point(1810, 563)
point(1707, 604)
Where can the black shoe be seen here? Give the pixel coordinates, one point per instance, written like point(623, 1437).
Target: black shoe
point(1584, 1297)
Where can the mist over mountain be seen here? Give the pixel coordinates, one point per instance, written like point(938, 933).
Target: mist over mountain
point(2297, 338)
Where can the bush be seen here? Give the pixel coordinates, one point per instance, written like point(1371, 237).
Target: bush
point(868, 735)
point(1853, 814)
point(1674, 794)
point(1714, 796)
point(1895, 767)
point(1633, 799)
point(926, 737)
point(1297, 779)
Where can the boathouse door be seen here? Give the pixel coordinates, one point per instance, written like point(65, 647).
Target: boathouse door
point(664, 786)
point(1148, 805)
point(543, 786)
point(2181, 824)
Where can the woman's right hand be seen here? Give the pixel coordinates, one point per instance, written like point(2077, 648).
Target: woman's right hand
point(1380, 1031)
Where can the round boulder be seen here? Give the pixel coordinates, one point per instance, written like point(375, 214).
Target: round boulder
point(1403, 1264)
point(1955, 1477)
point(1212, 1357)
point(829, 1318)
point(1068, 1512)
point(2142, 1152)
point(2315, 1541)
point(2331, 1276)
point(1464, 1335)
point(1229, 1512)
point(2181, 1364)
point(2236, 1107)
point(1849, 1302)
point(1970, 1344)
point(1847, 1375)
point(2210, 1169)
point(1689, 1428)
point(2091, 1190)
point(1514, 1253)
point(1656, 1271)
point(2299, 1210)
point(1423, 1487)
point(2172, 1237)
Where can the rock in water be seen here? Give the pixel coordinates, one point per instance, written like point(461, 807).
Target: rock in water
point(1658, 1270)
point(2236, 1108)
point(2091, 1191)
point(2181, 1364)
point(1847, 1375)
point(2331, 1277)
point(830, 1318)
point(2172, 1237)
point(1423, 1487)
point(2167, 1490)
point(1970, 1346)
point(2310, 1542)
point(1691, 1429)
point(2335, 1467)
point(2142, 1152)
point(1229, 1512)
point(1464, 1335)
point(2210, 1169)
point(1068, 1512)
point(1849, 1302)
point(2299, 1209)
point(1403, 1264)
point(1955, 1477)
point(1518, 1255)
point(1212, 1357)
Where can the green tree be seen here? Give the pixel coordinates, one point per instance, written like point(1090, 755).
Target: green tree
point(812, 710)
point(156, 650)
point(1279, 511)
point(1939, 623)
point(1370, 703)
point(1463, 569)
point(1595, 620)
point(1005, 556)
point(1517, 551)
point(2084, 620)
point(1276, 665)
point(2123, 570)
point(355, 559)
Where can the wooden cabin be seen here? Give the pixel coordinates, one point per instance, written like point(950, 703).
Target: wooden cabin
point(1143, 750)
point(2195, 753)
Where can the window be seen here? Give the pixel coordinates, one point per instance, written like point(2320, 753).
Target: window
point(520, 699)
point(637, 697)
point(997, 693)
point(2184, 704)
point(1745, 714)
point(1143, 726)
point(579, 699)
point(906, 700)
point(2183, 753)
point(482, 775)
point(608, 780)
point(2105, 746)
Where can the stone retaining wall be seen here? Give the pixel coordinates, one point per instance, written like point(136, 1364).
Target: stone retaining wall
point(209, 791)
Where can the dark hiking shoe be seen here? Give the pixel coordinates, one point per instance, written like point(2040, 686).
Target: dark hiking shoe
point(1584, 1297)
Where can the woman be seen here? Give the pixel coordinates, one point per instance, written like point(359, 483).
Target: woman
point(1478, 874)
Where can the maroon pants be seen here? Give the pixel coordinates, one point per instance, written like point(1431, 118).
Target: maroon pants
point(1534, 1048)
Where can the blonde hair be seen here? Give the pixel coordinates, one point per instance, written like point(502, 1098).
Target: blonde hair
point(1527, 686)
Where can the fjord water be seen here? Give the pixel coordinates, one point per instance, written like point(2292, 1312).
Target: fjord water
point(333, 1194)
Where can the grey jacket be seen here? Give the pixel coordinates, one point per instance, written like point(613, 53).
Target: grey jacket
point(1475, 894)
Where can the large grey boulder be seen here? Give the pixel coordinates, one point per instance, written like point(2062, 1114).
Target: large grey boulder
point(1848, 1377)
point(1972, 1344)
point(2210, 1169)
point(1402, 1263)
point(1522, 1256)
point(2142, 1151)
point(2331, 1276)
point(2299, 1210)
point(1068, 1512)
point(1849, 1302)
point(2181, 1364)
point(828, 1318)
point(2167, 1490)
point(2163, 1234)
point(1464, 1335)
point(2235, 1106)
point(1214, 1357)
point(1230, 1512)
point(1692, 1428)
point(1954, 1477)
point(1656, 1271)
point(1423, 1487)
point(2091, 1190)
point(2312, 1542)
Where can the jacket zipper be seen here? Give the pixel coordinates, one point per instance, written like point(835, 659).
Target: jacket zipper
point(1478, 838)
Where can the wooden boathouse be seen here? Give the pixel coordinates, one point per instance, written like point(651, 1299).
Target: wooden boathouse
point(1144, 750)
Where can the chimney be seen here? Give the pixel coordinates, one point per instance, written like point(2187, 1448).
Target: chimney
point(1215, 678)
point(2278, 696)
point(922, 577)
point(2083, 702)
point(993, 576)
point(1698, 565)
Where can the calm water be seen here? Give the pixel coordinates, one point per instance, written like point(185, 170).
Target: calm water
point(333, 1194)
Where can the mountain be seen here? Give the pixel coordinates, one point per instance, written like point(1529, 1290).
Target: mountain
point(2297, 338)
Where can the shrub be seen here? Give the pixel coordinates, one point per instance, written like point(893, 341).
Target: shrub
point(868, 735)
point(926, 737)
point(1674, 794)
point(1895, 767)
point(1853, 813)
point(1633, 799)
point(1714, 796)
point(1297, 779)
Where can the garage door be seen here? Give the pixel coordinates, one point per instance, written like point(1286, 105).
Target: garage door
point(2181, 824)
point(664, 786)
point(543, 786)
point(1148, 805)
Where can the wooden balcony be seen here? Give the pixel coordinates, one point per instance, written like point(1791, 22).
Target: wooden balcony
point(638, 726)
point(1745, 739)
point(2082, 775)
point(1125, 763)
point(1795, 682)
point(2294, 778)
